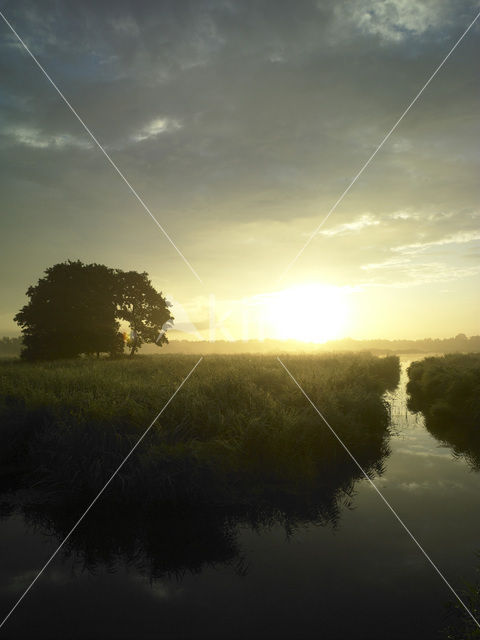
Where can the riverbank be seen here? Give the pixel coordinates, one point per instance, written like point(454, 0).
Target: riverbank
point(446, 390)
point(239, 431)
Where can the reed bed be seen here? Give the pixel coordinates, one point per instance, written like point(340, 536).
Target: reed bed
point(239, 431)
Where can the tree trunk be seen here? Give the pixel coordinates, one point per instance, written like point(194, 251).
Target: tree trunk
point(132, 352)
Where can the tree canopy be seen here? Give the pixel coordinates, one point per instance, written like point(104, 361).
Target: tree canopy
point(144, 308)
point(77, 308)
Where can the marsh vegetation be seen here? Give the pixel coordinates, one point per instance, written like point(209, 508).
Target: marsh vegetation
point(240, 432)
point(447, 391)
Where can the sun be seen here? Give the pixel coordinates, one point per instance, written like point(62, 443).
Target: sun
point(310, 312)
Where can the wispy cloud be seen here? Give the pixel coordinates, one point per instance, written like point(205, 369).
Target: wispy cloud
point(386, 264)
point(395, 20)
point(461, 237)
point(31, 137)
point(404, 215)
point(366, 220)
point(405, 273)
point(155, 128)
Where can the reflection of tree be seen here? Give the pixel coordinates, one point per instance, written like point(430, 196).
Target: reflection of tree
point(155, 543)
point(161, 542)
point(447, 391)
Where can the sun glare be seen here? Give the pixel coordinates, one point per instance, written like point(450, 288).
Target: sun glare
point(311, 312)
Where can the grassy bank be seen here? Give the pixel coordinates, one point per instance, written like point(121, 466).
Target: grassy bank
point(239, 431)
point(447, 391)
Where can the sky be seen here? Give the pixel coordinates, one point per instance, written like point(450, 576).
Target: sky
point(239, 123)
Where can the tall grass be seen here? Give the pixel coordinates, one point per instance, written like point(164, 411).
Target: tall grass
point(239, 431)
point(447, 391)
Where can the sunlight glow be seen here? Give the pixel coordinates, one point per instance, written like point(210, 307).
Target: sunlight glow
point(310, 312)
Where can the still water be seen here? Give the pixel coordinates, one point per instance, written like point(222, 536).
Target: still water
point(358, 576)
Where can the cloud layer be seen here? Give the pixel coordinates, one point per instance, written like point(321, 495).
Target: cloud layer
point(240, 123)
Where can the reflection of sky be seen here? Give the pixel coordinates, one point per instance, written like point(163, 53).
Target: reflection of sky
point(365, 580)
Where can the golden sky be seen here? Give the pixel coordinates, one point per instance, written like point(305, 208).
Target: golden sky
point(240, 124)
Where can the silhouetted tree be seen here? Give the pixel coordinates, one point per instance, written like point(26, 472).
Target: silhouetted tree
point(76, 309)
point(72, 310)
point(145, 309)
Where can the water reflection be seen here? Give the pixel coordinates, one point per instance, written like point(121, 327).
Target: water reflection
point(464, 444)
point(164, 541)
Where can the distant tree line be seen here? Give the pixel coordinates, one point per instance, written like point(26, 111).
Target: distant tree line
point(12, 346)
point(77, 309)
point(460, 343)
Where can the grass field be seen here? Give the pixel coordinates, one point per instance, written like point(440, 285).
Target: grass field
point(239, 431)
